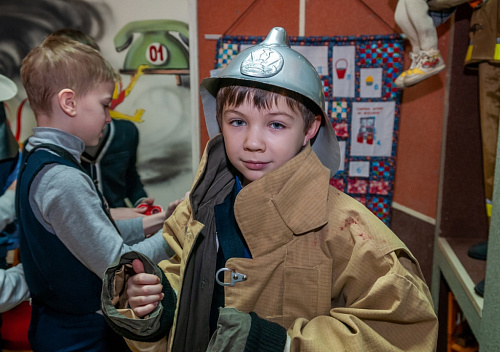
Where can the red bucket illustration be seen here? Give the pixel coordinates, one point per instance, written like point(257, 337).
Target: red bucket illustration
point(341, 68)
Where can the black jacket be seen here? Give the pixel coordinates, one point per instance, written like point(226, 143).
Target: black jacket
point(115, 169)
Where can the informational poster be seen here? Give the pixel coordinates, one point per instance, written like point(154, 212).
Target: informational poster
point(362, 103)
point(143, 41)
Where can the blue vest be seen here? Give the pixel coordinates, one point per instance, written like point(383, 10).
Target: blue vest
point(56, 278)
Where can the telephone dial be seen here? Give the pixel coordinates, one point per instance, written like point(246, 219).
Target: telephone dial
point(154, 46)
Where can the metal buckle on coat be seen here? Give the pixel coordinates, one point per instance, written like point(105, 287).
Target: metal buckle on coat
point(235, 277)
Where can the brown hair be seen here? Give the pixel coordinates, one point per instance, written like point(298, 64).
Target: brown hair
point(235, 95)
point(60, 63)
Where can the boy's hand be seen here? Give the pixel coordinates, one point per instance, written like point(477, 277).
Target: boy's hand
point(152, 223)
point(144, 290)
point(171, 207)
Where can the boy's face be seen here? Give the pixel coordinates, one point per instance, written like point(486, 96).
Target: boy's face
point(260, 141)
point(93, 113)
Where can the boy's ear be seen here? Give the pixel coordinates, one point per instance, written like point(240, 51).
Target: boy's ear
point(312, 129)
point(67, 101)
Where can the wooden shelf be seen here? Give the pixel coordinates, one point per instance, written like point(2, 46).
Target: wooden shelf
point(462, 273)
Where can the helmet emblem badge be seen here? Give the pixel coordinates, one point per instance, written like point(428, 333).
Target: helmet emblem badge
point(263, 62)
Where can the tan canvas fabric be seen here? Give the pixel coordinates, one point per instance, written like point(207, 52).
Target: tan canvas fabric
point(323, 266)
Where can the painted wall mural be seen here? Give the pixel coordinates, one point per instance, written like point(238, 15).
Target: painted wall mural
point(149, 44)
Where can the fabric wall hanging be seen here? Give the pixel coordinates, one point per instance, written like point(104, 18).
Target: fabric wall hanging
point(362, 102)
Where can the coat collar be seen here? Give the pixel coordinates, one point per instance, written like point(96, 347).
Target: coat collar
point(291, 200)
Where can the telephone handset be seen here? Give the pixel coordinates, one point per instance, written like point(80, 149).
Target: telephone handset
point(154, 46)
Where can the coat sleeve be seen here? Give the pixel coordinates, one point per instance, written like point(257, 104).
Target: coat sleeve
point(380, 302)
point(152, 332)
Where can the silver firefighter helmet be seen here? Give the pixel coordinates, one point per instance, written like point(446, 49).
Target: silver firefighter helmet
point(271, 64)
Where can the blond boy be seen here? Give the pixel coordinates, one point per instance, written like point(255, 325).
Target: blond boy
point(67, 235)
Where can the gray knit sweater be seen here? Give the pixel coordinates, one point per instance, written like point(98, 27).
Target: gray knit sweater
point(65, 202)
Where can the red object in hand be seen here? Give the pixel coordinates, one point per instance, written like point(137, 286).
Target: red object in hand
point(150, 209)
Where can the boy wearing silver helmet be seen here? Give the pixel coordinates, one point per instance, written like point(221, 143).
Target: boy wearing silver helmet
point(269, 256)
